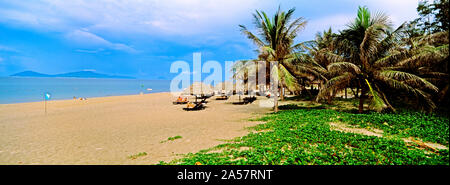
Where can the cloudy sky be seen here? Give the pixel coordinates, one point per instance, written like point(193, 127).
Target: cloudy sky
point(141, 38)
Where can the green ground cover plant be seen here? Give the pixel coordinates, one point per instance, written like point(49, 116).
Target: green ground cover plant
point(303, 136)
point(172, 139)
point(135, 156)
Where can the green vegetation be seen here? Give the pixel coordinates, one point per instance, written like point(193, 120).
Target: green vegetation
point(276, 42)
point(380, 64)
point(384, 68)
point(428, 127)
point(304, 137)
point(172, 138)
point(135, 156)
point(434, 16)
point(369, 53)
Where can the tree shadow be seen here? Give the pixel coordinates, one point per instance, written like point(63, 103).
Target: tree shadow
point(296, 107)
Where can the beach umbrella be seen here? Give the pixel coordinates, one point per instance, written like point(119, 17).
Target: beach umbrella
point(199, 88)
point(224, 87)
point(239, 88)
point(186, 91)
point(251, 88)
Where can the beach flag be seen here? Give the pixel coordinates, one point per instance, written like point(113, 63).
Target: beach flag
point(142, 89)
point(47, 96)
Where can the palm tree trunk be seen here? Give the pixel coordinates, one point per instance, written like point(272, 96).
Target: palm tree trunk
point(361, 100)
point(275, 102)
point(330, 98)
point(357, 91)
point(442, 94)
point(345, 92)
point(388, 104)
point(282, 93)
point(385, 100)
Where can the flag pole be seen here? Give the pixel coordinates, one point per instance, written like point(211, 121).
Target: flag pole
point(45, 102)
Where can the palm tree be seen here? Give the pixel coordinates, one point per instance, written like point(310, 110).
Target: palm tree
point(370, 54)
point(429, 60)
point(275, 40)
point(322, 44)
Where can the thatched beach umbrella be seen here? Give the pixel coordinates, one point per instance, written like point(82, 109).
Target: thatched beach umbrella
point(199, 88)
point(224, 88)
point(239, 88)
point(251, 88)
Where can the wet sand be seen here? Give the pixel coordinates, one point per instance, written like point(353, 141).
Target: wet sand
point(108, 130)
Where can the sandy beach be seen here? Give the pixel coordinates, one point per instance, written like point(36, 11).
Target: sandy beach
point(107, 130)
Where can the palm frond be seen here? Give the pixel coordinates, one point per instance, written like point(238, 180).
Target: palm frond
point(369, 45)
point(392, 58)
point(438, 38)
point(408, 78)
point(251, 36)
point(335, 84)
point(342, 67)
point(289, 80)
point(426, 56)
point(332, 57)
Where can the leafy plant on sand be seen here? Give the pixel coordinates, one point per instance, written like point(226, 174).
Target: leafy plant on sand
point(172, 138)
point(305, 137)
point(135, 156)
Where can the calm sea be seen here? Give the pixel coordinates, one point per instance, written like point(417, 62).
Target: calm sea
point(24, 89)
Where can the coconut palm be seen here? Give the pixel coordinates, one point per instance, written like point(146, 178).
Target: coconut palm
point(429, 60)
point(275, 42)
point(370, 54)
point(317, 49)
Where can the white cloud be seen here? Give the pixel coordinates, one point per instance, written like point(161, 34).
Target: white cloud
point(90, 51)
point(335, 22)
point(153, 16)
point(86, 38)
point(167, 17)
point(399, 11)
point(209, 22)
point(191, 22)
point(8, 49)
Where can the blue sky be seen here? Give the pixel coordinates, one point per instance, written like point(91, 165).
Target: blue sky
point(143, 38)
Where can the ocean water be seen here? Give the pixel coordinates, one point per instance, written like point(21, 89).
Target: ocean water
point(30, 89)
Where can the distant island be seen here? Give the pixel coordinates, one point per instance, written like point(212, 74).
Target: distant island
point(78, 74)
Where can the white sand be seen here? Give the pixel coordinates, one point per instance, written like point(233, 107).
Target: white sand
point(107, 130)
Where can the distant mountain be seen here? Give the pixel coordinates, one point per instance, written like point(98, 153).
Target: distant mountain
point(31, 73)
point(89, 74)
point(78, 74)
